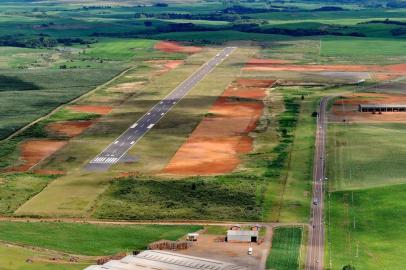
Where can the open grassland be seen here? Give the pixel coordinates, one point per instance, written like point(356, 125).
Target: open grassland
point(285, 251)
point(15, 258)
point(380, 51)
point(89, 239)
point(167, 136)
point(366, 228)
point(28, 95)
point(15, 189)
point(125, 50)
point(255, 191)
point(222, 198)
point(297, 192)
point(366, 155)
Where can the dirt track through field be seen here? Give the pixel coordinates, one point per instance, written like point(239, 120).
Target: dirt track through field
point(91, 109)
point(223, 135)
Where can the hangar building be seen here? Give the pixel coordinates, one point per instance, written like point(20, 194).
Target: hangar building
point(162, 260)
point(382, 108)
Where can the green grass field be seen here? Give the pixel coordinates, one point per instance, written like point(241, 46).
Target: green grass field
point(222, 198)
point(26, 96)
point(296, 198)
point(367, 228)
point(15, 189)
point(89, 239)
point(285, 251)
point(15, 258)
point(353, 49)
point(366, 155)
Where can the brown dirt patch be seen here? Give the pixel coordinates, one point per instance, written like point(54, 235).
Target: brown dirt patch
point(91, 109)
point(347, 108)
point(127, 87)
point(164, 66)
point(385, 76)
point(33, 151)
point(69, 128)
point(216, 144)
point(174, 47)
point(207, 246)
point(49, 172)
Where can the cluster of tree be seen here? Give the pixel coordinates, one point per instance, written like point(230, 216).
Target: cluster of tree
point(71, 41)
point(160, 5)
point(330, 8)
point(396, 4)
point(398, 32)
point(297, 32)
point(251, 26)
point(95, 7)
point(41, 42)
point(386, 21)
point(185, 16)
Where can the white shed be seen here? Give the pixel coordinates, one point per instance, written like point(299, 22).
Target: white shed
point(242, 236)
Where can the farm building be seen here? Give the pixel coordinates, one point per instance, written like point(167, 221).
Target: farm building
point(154, 259)
point(238, 236)
point(382, 108)
point(235, 234)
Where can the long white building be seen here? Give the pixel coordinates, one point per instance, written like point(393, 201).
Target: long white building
point(162, 260)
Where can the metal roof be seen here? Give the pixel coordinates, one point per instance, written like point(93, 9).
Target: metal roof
point(162, 260)
point(241, 233)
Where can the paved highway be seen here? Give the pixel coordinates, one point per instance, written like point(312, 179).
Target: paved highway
point(315, 251)
point(118, 149)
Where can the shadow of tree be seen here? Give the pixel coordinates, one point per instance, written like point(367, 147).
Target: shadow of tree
point(9, 83)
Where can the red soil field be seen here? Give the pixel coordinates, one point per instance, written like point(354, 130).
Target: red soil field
point(91, 109)
point(166, 65)
point(33, 151)
point(174, 47)
point(347, 108)
point(216, 144)
point(385, 76)
point(69, 128)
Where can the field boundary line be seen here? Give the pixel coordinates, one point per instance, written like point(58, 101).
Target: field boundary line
point(24, 128)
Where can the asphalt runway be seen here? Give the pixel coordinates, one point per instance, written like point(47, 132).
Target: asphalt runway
point(315, 250)
point(117, 150)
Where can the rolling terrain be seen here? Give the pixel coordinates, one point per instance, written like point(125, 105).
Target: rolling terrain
point(127, 122)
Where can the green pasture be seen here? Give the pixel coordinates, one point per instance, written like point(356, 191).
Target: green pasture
point(15, 258)
point(296, 198)
point(285, 251)
point(366, 155)
point(127, 49)
point(89, 239)
point(220, 198)
point(361, 50)
point(15, 189)
point(26, 96)
point(366, 227)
